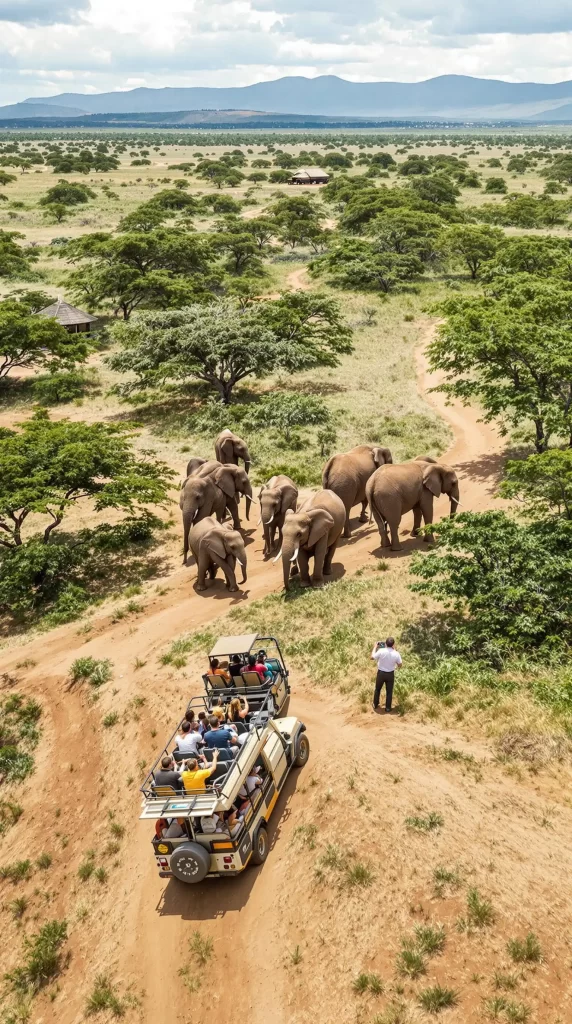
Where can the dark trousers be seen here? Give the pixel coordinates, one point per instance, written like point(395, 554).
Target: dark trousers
point(388, 679)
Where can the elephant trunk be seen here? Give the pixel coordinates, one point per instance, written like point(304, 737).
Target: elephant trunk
point(187, 523)
point(244, 576)
point(247, 465)
point(454, 499)
point(248, 494)
point(289, 553)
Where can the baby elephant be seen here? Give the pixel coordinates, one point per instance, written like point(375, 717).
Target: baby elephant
point(276, 497)
point(217, 547)
point(410, 486)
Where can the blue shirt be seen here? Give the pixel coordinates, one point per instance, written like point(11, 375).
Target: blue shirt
point(218, 738)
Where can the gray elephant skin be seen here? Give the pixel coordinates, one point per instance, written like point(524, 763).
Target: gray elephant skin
point(199, 497)
point(229, 449)
point(410, 486)
point(312, 532)
point(348, 473)
point(276, 498)
point(232, 481)
point(217, 546)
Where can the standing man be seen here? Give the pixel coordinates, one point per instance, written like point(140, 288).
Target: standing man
point(386, 659)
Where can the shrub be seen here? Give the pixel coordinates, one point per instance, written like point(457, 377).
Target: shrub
point(19, 871)
point(44, 861)
point(498, 185)
point(110, 719)
point(90, 670)
point(53, 388)
point(480, 912)
point(437, 998)
point(103, 997)
point(19, 718)
point(42, 958)
point(525, 951)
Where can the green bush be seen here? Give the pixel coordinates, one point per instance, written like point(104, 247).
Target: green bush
point(54, 388)
point(19, 719)
point(91, 670)
point(42, 958)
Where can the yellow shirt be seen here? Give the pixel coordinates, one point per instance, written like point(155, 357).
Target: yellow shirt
point(195, 780)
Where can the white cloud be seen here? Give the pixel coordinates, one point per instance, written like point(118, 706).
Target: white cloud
point(50, 45)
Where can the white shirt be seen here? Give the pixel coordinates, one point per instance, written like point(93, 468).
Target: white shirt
point(175, 831)
point(386, 658)
point(189, 742)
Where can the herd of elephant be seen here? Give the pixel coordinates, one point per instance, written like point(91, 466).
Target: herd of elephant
point(365, 475)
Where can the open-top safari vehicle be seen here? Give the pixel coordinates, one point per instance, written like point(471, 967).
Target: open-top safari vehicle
point(242, 790)
point(231, 653)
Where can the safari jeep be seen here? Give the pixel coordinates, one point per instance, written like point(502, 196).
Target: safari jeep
point(271, 749)
point(249, 684)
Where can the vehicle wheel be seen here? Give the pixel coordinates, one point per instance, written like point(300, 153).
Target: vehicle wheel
point(260, 846)
point(302, 750)
point(190, 862)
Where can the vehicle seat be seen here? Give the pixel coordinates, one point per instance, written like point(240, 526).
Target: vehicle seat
point(216, 682)
point(165, 791)
point(252, 679)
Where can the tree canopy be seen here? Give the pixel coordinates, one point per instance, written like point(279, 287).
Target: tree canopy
point(223, 344)
point(29, 340)
point(15, 261)
point(47, 466)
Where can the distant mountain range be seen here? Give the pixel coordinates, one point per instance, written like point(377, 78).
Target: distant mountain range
point(456, 97)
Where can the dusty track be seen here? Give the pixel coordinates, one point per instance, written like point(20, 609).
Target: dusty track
point(142, 925)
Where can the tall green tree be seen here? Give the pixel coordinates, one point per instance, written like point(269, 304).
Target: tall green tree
point(541, 484)
point(512, 352)
point(27, 340)
point(471, 245)
point(16, 261)
point(223, 344)
point(47, 467)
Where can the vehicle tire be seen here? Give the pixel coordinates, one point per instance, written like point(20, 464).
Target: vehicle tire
point(190, 862)
point(260, 846)
point(301, 750)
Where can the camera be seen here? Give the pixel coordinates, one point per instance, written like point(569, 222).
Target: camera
point(380, 643)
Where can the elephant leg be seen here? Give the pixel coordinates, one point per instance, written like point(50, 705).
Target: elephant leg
point(303, 565)
point(382, 527)
point(394, 531)
point(267, 543)
point(347, 530)
point(363, 514)
point(426, 505)
point(417, 517)
point(226, 564)
point(232, 506)
point(320, 552)
point(203, 566)
point(328, 559)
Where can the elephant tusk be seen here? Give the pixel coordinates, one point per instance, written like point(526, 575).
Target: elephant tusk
point(268, 521)
point(295, 555)
point(259, 521)
point(255, 500)
point(243, 564)
point(279, 555)
point(457, 502)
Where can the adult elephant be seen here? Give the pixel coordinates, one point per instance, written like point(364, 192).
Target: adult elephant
point(347, 475)
point(411, 486)
point(199, 497)
point(312, 532)
point(232, 481)
point(229, 448)
point(216, 546)
point(276, 497)
point(194, 464)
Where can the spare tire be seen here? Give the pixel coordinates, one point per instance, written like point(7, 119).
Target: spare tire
point(190, 862)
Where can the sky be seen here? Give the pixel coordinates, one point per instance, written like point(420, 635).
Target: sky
point(88, 46)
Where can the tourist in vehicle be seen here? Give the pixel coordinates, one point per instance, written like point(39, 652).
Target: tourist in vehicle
point(232, 822)
point(211, 823)
point(190, 716)
point(254, 666)
point(217, 736)
point(261, 659)
point(219, 711)
point(189, 739)
point(161, 826)
point(252, 782)
point(235, 711)
point(175, 830)
point(235, 667)
point(168, 775)
point(216, 670)
point(194, 778)
point(203, 723)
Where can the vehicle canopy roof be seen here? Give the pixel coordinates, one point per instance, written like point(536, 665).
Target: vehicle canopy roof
point(227, 645)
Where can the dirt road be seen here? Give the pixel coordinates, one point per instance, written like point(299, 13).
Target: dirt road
point(138, 927)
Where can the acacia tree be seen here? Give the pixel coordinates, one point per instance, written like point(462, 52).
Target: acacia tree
point(222, 344)
point(513, 353)
point(542, 484)
point(471, 244)
point(46, 467)
point(14, 260)
point(29, 340)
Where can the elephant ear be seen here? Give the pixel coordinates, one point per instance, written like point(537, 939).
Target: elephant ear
point(214, 543)
point(227, 448)
point(432, 479)
point(224, 479)
point(288, 500)
point(321, 523)
point(382, 456)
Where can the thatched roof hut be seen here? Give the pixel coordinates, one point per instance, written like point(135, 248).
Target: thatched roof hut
point(310, 176)
point(74, 320)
